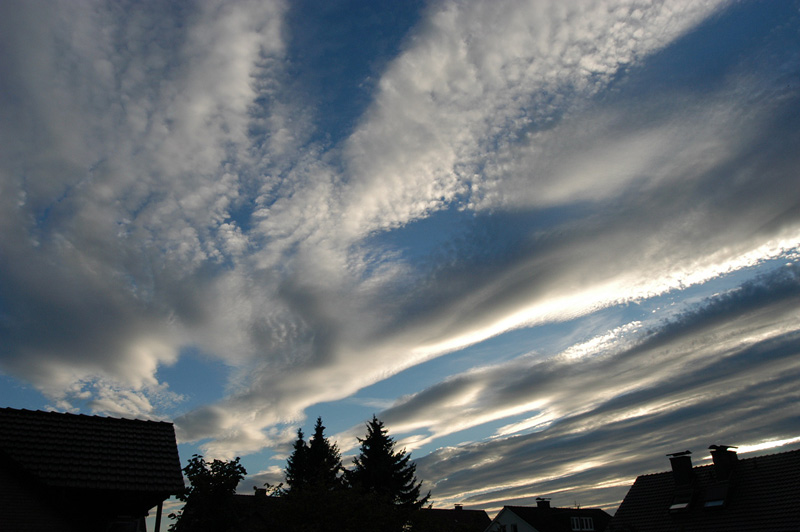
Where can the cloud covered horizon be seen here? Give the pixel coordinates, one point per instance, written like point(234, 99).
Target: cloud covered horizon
point(533, 225)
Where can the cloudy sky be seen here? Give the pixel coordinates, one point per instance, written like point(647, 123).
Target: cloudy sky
point(546, 241)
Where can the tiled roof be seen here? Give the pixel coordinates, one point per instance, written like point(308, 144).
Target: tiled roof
point(558, 519)
point(764, 494)
point(452, 520)
point(91, 452)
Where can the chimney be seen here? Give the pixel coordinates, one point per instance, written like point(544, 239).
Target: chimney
point(683, 475)
point(724, 461)
point(542, 503)
point(459, 506)
point(681, 468)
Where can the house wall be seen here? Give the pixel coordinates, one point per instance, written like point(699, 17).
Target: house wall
point(23, 508)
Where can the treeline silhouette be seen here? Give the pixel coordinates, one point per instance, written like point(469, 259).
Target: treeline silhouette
point(380, 491)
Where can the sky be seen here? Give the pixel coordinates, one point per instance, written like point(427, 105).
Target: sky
point(547, 242)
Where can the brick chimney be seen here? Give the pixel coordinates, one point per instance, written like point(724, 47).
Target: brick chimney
point(684, 477)
point(724, 461)
point(542, 503)
point(681, 468)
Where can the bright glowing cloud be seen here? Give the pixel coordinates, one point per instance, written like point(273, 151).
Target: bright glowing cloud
point(545, 241)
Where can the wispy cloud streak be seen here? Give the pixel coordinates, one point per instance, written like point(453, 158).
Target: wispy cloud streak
point(164, 185)
point(720, 372)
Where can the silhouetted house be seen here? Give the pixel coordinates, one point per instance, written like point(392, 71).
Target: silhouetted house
point(67, 472)
point(450, 520)
point(760, 493)
point(257, 512)
point(545, 518)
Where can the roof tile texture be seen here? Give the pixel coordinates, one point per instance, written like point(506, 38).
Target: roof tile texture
point(764, 494)
point(92, 452)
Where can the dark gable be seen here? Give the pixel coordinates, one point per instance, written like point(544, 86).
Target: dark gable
point(83, 472)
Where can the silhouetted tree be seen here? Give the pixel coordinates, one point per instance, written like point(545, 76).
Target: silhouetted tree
point(296, 472)
point(315, 498)
point(324, 461)
point(380, 493)
point(208, 499)
point(316, 465)
point(386, 476)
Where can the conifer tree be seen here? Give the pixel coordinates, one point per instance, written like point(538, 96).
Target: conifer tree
point(316, 465)
point(296, 471)
point(382, 471)
point(324, 461)
point(315, 500)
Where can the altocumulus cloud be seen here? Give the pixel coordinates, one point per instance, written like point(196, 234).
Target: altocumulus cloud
point(723, 370)
point(165, 187)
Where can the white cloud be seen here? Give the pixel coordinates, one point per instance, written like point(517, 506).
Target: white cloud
point(475, 77)
point(123, 177)
point(150, 139)
point(700, 370)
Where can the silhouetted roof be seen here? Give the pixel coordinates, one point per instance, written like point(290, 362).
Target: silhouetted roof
point(763, 494)
point(555, 519)
point(452, 520)
point(254, 512)
point(92, 452)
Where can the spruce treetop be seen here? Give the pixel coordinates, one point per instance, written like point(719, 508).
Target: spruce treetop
point(314, 465)
point(380, 469)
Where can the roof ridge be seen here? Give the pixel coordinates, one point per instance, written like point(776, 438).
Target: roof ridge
point(66, 450)
point(556, 507)
point(739, 459)
point(80, 414)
